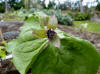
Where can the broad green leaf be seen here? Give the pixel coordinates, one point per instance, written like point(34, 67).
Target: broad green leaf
point(76, 56)
point(61, 34)
point(52, 22)
point(27, 36)
point(23, 37)
point(11, 45)
point(31, 24)
point(25, 54)
point(41, 33)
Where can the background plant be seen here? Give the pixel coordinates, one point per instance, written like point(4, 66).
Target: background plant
point(63, 19)
point(2, 50)
point(82, 16)
point(2, 10)
point(98, 7)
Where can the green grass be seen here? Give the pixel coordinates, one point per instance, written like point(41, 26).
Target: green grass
point(92, 26)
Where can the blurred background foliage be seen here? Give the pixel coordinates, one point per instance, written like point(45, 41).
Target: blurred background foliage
point(66, 12)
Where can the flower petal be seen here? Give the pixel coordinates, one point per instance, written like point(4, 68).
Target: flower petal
point(56, 42)
point(52, 22)
point(41, 33)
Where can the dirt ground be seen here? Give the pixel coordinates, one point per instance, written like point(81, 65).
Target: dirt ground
point(6, 67)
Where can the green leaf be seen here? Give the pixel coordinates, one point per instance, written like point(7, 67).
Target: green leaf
point(26, 36)
point(2, 47)
point(25, 54)
point(61, 34)
point(2, 52)
point(76, 56)
point(23, 37)
point(31, 24)
point(4, 43)
point(11, 45)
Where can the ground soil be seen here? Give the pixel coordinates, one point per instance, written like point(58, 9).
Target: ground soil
point(6, 67)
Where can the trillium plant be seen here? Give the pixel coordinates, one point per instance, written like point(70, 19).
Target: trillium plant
point(48, 50)
point(49, 32)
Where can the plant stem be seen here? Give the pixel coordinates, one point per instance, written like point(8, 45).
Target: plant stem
point(2, 37)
